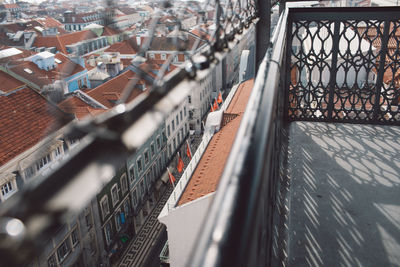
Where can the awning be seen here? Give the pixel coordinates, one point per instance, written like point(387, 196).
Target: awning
point(165, 177)
point(158, 185)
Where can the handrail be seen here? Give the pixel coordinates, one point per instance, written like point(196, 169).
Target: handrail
point(227, 230)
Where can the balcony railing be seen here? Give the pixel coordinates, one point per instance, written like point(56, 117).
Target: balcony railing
point(325, 64)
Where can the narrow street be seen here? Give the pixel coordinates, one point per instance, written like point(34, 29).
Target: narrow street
point(145, 248)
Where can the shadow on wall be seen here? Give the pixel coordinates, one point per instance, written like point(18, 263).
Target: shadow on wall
point(345, 195)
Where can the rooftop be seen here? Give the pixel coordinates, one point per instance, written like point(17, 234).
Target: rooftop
point(61, 41)
point(25, 119)
point(41, 77)
point(9, 83)
point(79, 108)
point(209, 170)
point(111, 91)
point(126, 47)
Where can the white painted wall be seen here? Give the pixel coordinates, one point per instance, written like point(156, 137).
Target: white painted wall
point(183, 224)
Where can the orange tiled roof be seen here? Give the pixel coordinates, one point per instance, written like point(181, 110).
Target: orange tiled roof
point(80, 109)
point(61, 41)
point(26, 118)
point(43, 77)
point(107, 31)
point(111, 91)
point(9, 83)
point(126, 47)
point(209, 170)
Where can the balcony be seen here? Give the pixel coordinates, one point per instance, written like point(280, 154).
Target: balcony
point(312, 179)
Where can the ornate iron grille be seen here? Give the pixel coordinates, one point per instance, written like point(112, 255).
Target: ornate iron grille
point(343, 68)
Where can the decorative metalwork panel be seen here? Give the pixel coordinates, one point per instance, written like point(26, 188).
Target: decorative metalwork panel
point(344, 70)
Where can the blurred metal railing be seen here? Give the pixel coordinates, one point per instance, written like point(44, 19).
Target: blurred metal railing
point(238, 230)
point(42, 206)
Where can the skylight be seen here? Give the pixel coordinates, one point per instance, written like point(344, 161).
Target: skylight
point(29, 71)
point(58, 61)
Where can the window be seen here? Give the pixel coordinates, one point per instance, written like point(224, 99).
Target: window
point(6, 188)
point(173, 125)
point(134, 198)
point(154, 172)
point(118, 221)
point(182, 133)
point(108, 232)
point(169, 130)
point(179, 137)
point(152, 149)
point(174, 144)
point(63, 250)
point(88, 219)
point(158, 143)
point(141, 188)
point(104, 207)
point(151, 55)
point(114, 194)
point(127, 208)
point(132, 174)
point(184, 111)
point(57, 152)
point(51, 262)
point(181, 115)
point(43, 162)
point(124, 183)
point(148, 180)
point(177, 120)
point(139, 164)
point(74, 237)
point(29, 172)
point(185, 128)
point(146, 157)
point(189, 99)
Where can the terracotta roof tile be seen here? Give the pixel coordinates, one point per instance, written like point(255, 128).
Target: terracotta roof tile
point(26, 118)
point(111, 91)
point(126, 47)
point(9, 83)
point(107, 31)
point(80, 109)
point(61, 41)
point(43, 77)
point(209, 170)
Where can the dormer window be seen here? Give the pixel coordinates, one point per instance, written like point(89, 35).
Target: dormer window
point(163, 56)
point(29, 71)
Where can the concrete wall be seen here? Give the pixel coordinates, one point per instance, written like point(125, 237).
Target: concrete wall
point(183, 225)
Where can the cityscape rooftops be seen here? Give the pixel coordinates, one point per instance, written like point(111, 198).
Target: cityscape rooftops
point(61, 41)
point(80, 108)
point(8, 83)
point(111, 91)
point(209, 170)
point(26, 118)
point(64, 68)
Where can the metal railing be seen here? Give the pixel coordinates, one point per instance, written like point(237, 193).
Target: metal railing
point(108, 139)
point(343, 65)
point(301, 78)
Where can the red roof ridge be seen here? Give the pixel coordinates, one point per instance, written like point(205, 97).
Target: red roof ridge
point(206, 176)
